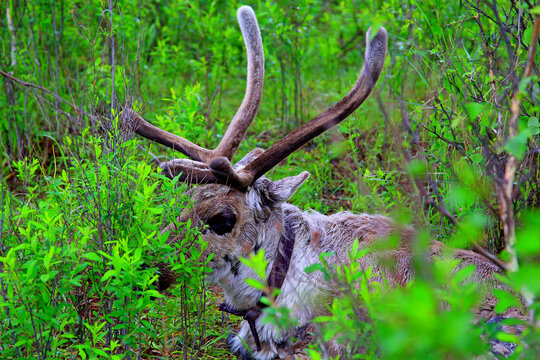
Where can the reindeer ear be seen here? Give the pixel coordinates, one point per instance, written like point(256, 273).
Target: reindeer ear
point(275, 193)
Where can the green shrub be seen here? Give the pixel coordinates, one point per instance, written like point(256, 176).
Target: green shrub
point(78, 260)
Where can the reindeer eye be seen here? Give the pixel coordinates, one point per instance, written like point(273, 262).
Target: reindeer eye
point(222, 223)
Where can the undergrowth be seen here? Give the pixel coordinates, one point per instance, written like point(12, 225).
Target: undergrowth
point(82, 203)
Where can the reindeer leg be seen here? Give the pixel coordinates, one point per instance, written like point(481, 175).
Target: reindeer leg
point(243, 344)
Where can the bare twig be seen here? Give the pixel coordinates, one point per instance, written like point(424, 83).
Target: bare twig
point(386, 121)
point(13, 39)
point(12, 125)
point(507, 211)
point(504, 33)
point(34, 86)
point(490, 56)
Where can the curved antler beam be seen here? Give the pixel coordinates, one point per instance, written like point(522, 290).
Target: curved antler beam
point(255, 78)
point(193, 172)
point(373, 64)
point(151, 132)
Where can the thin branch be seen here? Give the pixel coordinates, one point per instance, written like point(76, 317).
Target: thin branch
point(507, 211)
point(13, 39)
point(56, 97)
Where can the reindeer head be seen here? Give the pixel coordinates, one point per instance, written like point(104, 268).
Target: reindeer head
point(236, 204)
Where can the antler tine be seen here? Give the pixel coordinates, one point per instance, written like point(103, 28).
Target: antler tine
point(151, 132)
point(195, 172)
point(255, 78)
point(373, 64)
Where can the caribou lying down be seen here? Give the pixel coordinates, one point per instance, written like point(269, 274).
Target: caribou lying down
point(240, 211)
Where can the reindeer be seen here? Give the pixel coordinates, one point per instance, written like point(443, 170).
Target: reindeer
point(241, 212)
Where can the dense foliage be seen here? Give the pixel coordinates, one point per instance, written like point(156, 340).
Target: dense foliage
point(449, 142)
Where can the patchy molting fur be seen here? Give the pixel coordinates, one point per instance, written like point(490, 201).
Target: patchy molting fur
point(261, 213)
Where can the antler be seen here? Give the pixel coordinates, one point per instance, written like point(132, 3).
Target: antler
point(373, 64)
point(214, 166)
point(198, 169)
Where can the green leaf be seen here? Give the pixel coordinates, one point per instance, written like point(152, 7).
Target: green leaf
point(535, 10)
point(257, 262)
point(527, 34)
point(527, 277)
point(459, 197)
point(314, 267)
point(465, 273)
point(154, 293)
point(108, 274)
point(320, 319)
point(92, 256)
point(517, 145)
point(330, 332)
point(507, 337)
point(528, 234)
point(474, 109)
point(417, 169)
point(101, 352)
point(45, 277)
point(314, 355)
point(338, 150)
point(82, 354)
point(506, 300)
point(255, 283)
point(326, 254)
point(477, 158)
point(534, 125)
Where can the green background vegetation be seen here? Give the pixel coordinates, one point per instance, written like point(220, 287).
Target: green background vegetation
point(82, 203)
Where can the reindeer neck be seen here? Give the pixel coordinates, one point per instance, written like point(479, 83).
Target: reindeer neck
point(276, 237)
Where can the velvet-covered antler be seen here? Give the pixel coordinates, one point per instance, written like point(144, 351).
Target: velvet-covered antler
point(214, 166)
